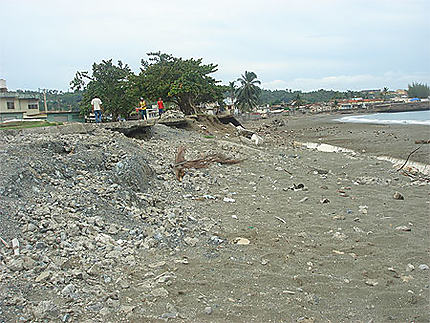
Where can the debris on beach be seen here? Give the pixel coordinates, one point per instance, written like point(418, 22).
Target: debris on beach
point(422, 142)
point(257, 139)
point(106, 232)
point(181, 164)
point(372, 282)
point(403, 228)
point(229, 200)
point(241, 241)
point(398, 196)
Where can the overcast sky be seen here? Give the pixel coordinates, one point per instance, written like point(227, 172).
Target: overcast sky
point(303, 44)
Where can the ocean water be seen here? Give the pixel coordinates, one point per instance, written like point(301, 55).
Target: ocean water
point(406, 118)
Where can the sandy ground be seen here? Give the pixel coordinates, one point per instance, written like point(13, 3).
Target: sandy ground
point(308, 261)
point(380, 140)
point(324, 238)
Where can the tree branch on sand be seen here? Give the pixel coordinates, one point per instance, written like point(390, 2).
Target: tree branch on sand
point(181, 164)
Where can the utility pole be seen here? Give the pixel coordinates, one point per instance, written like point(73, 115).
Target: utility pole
point(44, 99)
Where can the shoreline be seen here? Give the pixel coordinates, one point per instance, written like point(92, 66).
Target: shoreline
point(393, 140)
point(384, 108)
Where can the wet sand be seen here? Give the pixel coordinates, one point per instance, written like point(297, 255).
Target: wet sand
point(397, 141)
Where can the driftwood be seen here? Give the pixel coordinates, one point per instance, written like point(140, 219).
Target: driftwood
point(181, 164)
point(4, 242)
point(406, 161)
point(422, 142)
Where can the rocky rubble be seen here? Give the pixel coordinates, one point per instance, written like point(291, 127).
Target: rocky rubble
point(172, 114)
point(85, 209)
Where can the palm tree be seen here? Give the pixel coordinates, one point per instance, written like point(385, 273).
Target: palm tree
point(248, 92)
point(298, 101)
point(232, 91)
point(384, 93)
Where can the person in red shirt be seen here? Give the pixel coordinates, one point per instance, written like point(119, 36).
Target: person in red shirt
point(160, 107)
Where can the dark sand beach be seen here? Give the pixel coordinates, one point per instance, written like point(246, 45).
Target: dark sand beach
point(374, 139)
point(290, 234)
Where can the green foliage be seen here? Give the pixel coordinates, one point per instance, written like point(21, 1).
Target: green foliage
point(186, 82)
point(418, 90)
point(248, 92)
point(112, 84)
point(384, 93)
point(298, 101)
point(232, 91)
point(56, 100)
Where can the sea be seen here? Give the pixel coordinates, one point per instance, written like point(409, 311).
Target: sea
point(400, 118)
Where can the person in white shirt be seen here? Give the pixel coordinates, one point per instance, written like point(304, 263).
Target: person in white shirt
point(97, 109)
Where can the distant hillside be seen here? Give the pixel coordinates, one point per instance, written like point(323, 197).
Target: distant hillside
point(287, 96)
point(57, 100)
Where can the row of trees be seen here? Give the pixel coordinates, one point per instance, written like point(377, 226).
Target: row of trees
point(418, 90)
point(188, 83)
point(185, 82)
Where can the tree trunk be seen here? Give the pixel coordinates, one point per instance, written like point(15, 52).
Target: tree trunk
point(186, 105)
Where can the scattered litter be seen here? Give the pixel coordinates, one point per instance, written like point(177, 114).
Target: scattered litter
point(280, 219)
point(241, 241)
point(5, 243)
point(410, 267)
point(229, 200)
point(398, 196)
point(342, 193)
point(264, 262)
point(303, 199)
point(338, 252)
point(182, 261)
point(362, 209)
point(403, 228)
point(358, 230)
point(257, 139)
point(298, 187)
point(15, 246)
point(406, 279)
point(372, 282)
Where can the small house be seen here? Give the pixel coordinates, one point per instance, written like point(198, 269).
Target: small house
point(15, 105)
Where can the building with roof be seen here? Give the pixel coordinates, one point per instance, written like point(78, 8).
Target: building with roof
point(15, 105)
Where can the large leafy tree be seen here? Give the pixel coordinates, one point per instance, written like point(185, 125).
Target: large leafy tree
point(185, 82)
point(418, 90)
point(248, 92)
point(113, 84)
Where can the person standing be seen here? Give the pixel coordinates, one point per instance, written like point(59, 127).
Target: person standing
point(160, 107)
point(96, 103)
point(143, 107)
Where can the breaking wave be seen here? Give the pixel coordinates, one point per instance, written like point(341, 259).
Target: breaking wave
point(400, 118)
